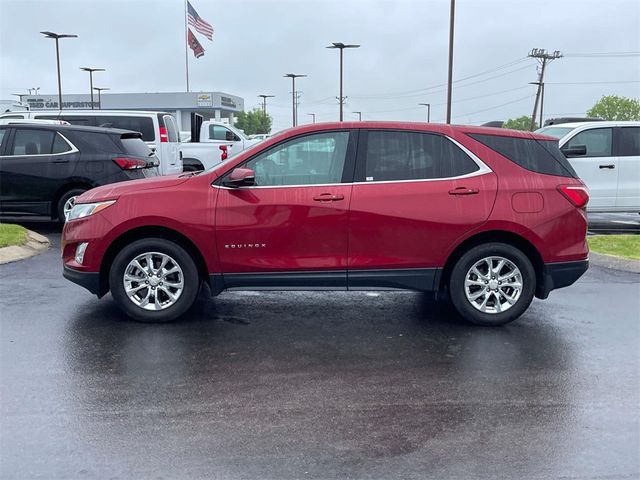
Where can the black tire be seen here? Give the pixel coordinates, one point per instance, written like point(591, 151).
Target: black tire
point(63, 200)
point(458, 276)
point(179, 255)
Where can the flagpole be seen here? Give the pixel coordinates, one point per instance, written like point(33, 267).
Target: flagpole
point(186, 44)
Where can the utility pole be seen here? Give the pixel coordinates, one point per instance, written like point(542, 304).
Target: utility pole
point(298, 94)
point(294, 105)
point(359, 115)
point(264, 103)
point(341, 46)
point(450, 76)
point(543, 57)
point(313, 116)
point(428, 105)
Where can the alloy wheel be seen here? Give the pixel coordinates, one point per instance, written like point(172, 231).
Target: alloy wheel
point(493, 284)
point(153, 281)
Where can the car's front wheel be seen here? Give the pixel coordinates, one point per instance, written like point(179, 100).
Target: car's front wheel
point(154, 280)
point(492, 284)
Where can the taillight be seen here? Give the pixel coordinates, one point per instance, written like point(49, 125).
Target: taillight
point(130, 163)
point(225, 153)
point(576, 194)
point(164, 137)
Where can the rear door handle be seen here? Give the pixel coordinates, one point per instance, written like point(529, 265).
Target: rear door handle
point(610, 166)
point(328, 197)
point(60, 160)
point(463, 191)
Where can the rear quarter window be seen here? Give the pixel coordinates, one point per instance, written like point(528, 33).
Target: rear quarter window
point(136, 147)
point(93, 142)
point(540, 156)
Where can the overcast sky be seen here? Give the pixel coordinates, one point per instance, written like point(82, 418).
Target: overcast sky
point(402, 61)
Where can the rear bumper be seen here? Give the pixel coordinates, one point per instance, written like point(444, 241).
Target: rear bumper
point(88, 280)
point(559, 275)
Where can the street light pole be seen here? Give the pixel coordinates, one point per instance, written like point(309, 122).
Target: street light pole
point(91, 70)
point(100, 89)
point(56, 37)
point(359, 115)
point(264, 103)
point(293, 77)
point(341, 46)
point(428, 105)
point(313, 116)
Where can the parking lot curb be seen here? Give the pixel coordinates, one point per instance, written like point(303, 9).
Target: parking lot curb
point(615, 263)
point(34, 245)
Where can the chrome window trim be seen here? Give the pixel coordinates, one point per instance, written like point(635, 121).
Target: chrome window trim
point(483, 169)
point(73, 150)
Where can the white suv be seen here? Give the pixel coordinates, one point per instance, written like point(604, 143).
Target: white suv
point(606, 156)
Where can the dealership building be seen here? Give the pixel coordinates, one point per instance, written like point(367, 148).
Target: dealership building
point(217, 106)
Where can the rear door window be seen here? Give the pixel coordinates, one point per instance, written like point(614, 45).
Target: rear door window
point(599, 142)
point(629, 142)
point(403, 155)
point(540, 156)
point(3, 131)
point(32, 142)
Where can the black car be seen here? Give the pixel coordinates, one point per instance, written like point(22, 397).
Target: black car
point(44, 167)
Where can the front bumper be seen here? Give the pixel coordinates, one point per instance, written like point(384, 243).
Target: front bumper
point(88, 280)
point(558, 275)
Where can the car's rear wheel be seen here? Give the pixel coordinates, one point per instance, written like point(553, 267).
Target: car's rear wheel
point(492, 284)
point(66, 203)
point(154, 280)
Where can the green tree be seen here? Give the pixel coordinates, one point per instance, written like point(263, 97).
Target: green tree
point(613, 107)
point(253, 122)
point(520, 123)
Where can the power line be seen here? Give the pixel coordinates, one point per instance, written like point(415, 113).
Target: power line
point(592, 83)
point(417, 92)
point(495, 106)
point(603, 54)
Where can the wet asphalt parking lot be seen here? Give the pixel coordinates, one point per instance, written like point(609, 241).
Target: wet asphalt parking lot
point(316, 385)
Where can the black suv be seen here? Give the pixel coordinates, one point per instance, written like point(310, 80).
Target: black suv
point(44, 167)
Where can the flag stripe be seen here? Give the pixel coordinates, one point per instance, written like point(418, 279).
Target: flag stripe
point(197, 22)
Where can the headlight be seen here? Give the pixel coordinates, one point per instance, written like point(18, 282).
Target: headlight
point(81, 210)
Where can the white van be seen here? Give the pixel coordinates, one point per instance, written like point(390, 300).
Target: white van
point(159, 130)
point(606, 156)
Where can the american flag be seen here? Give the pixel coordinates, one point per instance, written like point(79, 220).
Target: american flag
point(198, 22)
point(195, 45)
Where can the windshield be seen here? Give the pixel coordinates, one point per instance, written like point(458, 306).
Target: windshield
point(557, 132)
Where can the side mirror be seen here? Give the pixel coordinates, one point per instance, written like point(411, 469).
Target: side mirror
point(575, 151)
point(240, 177)
point(229, 136)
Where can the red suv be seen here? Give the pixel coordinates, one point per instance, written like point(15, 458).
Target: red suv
point(491, 216)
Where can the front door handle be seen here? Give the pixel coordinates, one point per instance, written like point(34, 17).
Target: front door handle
point(610, 166)
point(328, 197)
point(60, 160)
point(463, 191)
